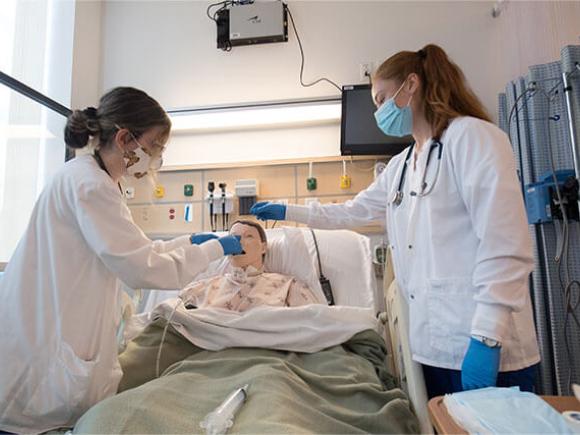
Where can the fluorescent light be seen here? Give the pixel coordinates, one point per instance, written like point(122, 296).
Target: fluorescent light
point(23, 131)
point(202, 120)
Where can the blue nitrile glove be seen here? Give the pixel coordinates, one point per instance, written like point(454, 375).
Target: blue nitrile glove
point(480, 366)
point(199, 238)
point(231, 245)
point(268, 211)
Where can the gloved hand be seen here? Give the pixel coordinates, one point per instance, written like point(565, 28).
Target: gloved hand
point(199, 238)
point(268, 211)
point(231, 245)
point(480, 366)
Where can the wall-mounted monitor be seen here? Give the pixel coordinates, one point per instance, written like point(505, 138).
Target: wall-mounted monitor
point(359, 134)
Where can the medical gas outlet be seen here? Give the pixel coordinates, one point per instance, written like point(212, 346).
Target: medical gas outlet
point(345, 180)
point(159, 191)
point(311, 183)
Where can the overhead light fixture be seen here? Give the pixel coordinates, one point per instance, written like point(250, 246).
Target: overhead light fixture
point(24, 131)
point(257, 115)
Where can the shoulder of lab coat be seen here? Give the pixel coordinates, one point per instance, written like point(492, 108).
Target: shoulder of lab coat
point(484, 167)
point(108, 228)
point(367, 206)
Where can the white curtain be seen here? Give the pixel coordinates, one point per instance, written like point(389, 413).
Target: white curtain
point(36, 45)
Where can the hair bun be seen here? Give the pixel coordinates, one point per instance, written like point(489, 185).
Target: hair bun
point(80, 126)
point(422, 54)
point(91, 113)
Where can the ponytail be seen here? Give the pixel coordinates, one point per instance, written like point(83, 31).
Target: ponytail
point(446, 93)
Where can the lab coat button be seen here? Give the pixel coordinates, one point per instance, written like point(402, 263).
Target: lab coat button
point(412, 296)
point(410, 246)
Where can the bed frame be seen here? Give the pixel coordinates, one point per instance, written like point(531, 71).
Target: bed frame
point(400, 362)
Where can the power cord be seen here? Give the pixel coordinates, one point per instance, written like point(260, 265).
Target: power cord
point(322, 79)
point(224, 4)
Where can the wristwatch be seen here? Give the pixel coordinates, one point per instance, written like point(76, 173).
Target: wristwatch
point(489, 342)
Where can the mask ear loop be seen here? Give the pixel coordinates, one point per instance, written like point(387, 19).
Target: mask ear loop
point(399, 91)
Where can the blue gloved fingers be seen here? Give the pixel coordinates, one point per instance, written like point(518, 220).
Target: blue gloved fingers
point(269, 211)
point(258, 206)
point(231, 245)
point(480, 366)
point(199, 238)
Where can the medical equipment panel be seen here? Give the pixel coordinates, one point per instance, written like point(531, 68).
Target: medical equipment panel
point(283, 182)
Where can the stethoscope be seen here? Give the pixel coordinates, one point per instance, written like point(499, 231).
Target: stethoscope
point(398, 196)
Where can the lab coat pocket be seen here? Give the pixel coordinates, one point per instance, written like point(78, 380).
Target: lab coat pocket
point(450, 309)
point(62, 389)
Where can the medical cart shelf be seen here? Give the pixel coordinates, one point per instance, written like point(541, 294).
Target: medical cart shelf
point(444, 423)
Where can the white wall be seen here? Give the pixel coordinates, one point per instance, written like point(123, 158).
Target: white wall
point(168, 49)
point(87, 59)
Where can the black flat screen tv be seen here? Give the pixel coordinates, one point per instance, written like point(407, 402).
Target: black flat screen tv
point(359, 134)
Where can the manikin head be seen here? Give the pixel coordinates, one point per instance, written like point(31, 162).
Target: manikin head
point(254, 244)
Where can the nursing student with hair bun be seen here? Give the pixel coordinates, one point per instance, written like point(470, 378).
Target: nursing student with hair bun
point(456, 223)
point(59, 296)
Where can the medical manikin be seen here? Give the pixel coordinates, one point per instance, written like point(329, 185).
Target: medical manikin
point(243, 286)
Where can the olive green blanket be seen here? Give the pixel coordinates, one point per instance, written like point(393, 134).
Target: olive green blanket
point(342, 389)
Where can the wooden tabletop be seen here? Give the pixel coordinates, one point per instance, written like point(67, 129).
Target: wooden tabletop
point(444, 423)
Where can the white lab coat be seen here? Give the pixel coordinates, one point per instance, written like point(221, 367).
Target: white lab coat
point(60, 296)
point(462, 254)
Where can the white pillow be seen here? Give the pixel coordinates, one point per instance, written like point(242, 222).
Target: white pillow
point(347, 263)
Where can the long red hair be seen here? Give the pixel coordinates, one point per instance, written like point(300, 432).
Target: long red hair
point(445, 91)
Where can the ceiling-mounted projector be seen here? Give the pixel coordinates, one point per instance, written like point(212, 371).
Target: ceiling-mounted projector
point(245, 23)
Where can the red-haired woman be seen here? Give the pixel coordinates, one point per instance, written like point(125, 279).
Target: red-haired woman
point(456, 223)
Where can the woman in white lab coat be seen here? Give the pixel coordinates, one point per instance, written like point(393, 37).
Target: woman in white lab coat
point(456, 224)
point(60, 290)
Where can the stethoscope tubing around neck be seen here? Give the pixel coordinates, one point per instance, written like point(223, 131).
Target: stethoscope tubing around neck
point(435, 143)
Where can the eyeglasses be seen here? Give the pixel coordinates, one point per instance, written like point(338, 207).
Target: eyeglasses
point(156, 148)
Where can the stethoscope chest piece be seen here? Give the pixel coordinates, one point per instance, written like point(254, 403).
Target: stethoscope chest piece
point(397, 198)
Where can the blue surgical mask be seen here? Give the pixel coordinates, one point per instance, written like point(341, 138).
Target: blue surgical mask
point(395, 121)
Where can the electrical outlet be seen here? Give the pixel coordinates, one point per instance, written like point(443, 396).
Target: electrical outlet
point(365, 71)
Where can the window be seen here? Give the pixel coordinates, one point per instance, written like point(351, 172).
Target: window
point(35, 48)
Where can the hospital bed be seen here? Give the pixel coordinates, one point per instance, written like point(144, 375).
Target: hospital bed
point(347, 262)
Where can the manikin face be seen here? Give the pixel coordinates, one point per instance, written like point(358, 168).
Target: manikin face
point(252, 245)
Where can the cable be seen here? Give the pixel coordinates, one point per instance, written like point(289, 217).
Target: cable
point(370, 169)
point(224, 4)
point(157, 361)
point(322, 79)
